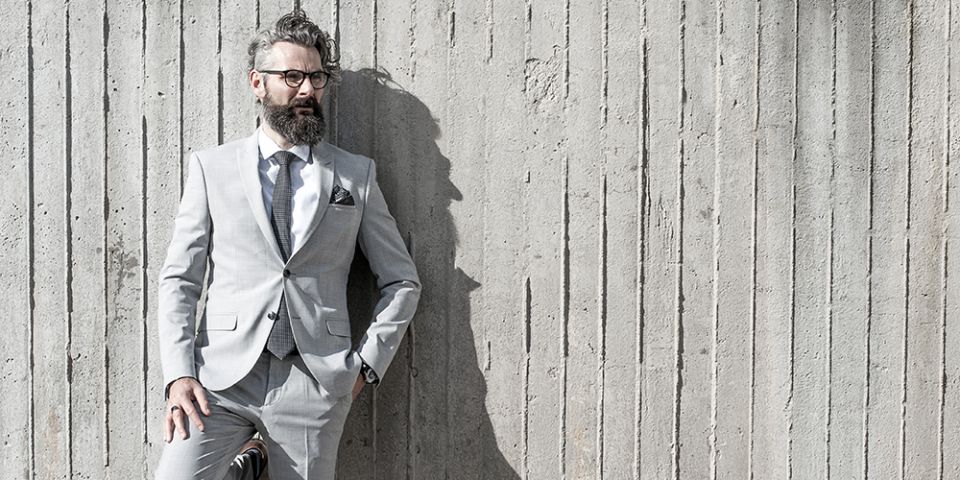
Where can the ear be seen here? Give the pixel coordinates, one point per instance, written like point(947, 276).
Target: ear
point(257, 84)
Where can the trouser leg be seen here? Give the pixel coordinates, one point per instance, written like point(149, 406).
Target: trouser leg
point(208, 454)
point(301, 424)
point(232, 421)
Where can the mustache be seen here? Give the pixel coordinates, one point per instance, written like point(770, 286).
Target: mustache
point(308, 102)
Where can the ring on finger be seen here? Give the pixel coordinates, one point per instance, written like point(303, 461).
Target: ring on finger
point(174, 408)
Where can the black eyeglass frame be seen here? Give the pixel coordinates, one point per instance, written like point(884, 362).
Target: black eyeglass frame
point(321, 74)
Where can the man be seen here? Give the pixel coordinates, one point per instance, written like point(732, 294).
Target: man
point(272, 221)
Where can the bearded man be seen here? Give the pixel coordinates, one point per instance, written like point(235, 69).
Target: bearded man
point(271, 223)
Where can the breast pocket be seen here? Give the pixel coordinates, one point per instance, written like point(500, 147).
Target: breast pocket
point(345, 211)
point(344, 219)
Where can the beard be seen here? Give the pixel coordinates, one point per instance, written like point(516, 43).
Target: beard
point(297, 129)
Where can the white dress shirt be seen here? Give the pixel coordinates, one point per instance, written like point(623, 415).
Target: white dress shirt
point(304, 185)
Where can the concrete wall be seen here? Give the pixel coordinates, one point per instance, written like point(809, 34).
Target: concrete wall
point(658, 239)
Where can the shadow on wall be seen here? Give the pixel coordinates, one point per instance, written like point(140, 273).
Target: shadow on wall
point(428, 419)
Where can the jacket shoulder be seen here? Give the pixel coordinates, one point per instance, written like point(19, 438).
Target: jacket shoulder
point(227, 150)
point(347, 163)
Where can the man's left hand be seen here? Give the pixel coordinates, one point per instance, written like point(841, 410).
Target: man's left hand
point(358, 386)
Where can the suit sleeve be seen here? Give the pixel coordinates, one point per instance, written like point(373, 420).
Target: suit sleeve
point(181, 278)
point(396, 277)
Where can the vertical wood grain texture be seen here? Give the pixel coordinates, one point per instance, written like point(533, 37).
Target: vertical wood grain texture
point(238, 24)
point(125, 180)
point(269, 10)
point(500, 342)
point(812, 172)
point(15, 239)
point(950, 393)
point(889, 193)
point(88, 407)
point(49, 138)
point(696, 422)
point(621, 147)
point(658, 442)
point(403, 444)
point(665, 239)
point(198, 125)
point(733, 204)
point(356, 39)
point(466, 346)
point(925, 242)
point(587, 195)
point(850, 211)
point(776, 150)
point(643, 196)
point(162, 149)
point(543, 233)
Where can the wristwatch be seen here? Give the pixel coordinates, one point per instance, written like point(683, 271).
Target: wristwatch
point(369, 375)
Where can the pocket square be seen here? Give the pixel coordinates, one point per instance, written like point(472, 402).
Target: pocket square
point(341, 196)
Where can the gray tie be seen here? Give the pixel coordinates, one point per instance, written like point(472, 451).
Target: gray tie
point(281, 342)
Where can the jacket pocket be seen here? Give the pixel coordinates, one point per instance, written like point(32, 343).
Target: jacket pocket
point(219, 321)
point(338, 327)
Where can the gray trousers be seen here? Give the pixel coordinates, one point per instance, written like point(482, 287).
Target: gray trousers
point(300, 423)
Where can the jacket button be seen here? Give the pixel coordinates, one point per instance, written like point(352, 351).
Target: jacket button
point(286, 273)
point(272, 315)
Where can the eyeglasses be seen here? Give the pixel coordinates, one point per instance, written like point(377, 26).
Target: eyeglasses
point(294, 78)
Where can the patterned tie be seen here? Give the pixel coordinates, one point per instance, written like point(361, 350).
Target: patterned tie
point(281, 342)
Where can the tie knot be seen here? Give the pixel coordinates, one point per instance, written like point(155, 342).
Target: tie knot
point(284, 158)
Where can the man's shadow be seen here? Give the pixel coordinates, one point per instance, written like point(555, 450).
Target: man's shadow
point(428, 419)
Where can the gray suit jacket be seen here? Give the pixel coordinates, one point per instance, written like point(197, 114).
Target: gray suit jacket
point(222, 222)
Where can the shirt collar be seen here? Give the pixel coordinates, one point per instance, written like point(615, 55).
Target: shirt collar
point(268, 147)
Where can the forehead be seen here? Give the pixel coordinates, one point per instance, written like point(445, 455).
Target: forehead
point(286, 55)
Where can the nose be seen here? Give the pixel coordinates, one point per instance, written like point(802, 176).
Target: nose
point(306, 88)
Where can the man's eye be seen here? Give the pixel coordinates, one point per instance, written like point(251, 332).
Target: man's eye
point(295, 76)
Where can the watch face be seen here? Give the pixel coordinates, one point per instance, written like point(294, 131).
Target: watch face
point(368, 374)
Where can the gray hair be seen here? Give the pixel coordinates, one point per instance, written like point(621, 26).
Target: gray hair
point(295, 27)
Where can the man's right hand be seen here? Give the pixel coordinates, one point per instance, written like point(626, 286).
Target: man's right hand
point(182, 395)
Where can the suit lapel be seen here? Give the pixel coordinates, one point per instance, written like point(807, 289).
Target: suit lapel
point(248, 159)
point(326, 166)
